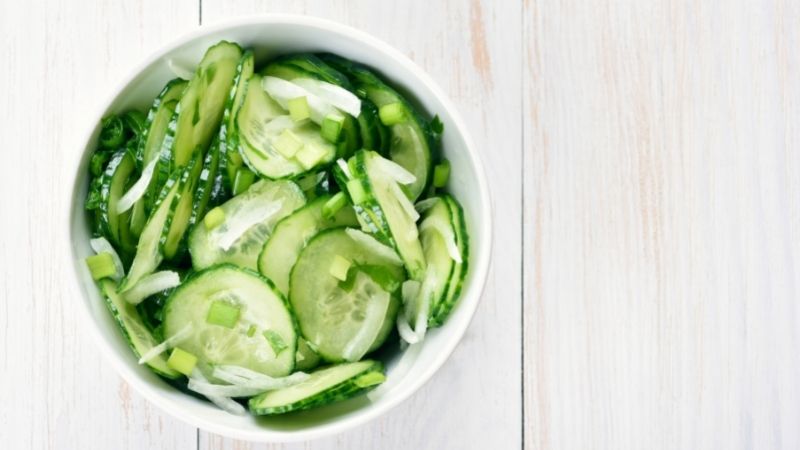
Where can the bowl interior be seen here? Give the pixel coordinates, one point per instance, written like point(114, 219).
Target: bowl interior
point(270, 36)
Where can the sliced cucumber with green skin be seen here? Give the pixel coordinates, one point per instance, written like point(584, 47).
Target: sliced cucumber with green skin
point(158, 120)
point(262, 312)
point(374, 134)
point(133, 328)
point(115, 180)
point(203, 102)
point(230, 160)
point(411, 141)
point(204, 244)
point(148, 251)
point(324, 386)
point(380, 211)
point(171, 241)
point(292, 233)
point(309, 66)
point(306, 358)
point(260, 124)
point(442, 309)
point(207, 192)
point(331, 313)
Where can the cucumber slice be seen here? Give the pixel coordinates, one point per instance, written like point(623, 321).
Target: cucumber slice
point(204, 244)
point(290, 236)
point(442, 309)
point(332, 313)
point(324, 386)
point(133, 328)
point(381, 211)
point(305, 358)
point(231, 161)
point(158, 120)
point(374, 135)
point(411, 142)
point(113, 183)
point(209, 185)
point(260, 123)
point(148, 251)
point(259, 305)
point(200, 109)
point(180, 212)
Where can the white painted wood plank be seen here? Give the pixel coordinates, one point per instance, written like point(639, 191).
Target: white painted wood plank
point(60, 60)
point(662, 225)
point(473, 51)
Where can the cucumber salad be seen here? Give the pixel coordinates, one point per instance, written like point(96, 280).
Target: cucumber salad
point(262, 232)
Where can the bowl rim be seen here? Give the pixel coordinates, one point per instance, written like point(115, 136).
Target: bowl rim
point(480, 266)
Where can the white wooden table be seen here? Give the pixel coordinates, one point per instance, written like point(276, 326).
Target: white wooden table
point(645, 170)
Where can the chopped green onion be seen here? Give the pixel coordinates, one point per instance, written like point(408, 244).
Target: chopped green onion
point(392, 114)
point(310, 155)
point(275, 341)
point(288, 144)
point(235, 159)
point(333, 205)
point(244, 178)
point(223, 314)
point(298, 108)
point(251, 331)
point(441, 173)
point(101, 265)
point(214, 218)
point(370, 379)
point(339, 268)
point(182, 361)
point(112, 135)
point(331, 127)
point(356, 190)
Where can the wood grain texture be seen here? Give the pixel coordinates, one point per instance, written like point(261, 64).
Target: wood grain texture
point(472, 50)
point(64, 57)
point(661, 225)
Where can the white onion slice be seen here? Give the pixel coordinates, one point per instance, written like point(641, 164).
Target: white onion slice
point(409, 290)
point(395, 171)
point(374, 316)
point(374, 245)
point(152, 284)
point(282, 91)
point(446, 232)
point(403, 200)
point(138, 189)
point(259, 382)
point(225, 403)
point(345, 168)
point(166, 345)
point(237, 225)
point(337, 96)
point(180, 69)
point(424, 299)
point(404, 330)
point(100, 245)
point(398, 372)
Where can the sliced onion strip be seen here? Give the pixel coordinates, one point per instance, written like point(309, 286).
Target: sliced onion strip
point(138, 189)
point(235, 226)
point(378, 248)
point(166, 345)
point(152, 284)
point(336, 96)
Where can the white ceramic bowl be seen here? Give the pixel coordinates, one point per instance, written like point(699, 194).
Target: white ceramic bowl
point(268, 36)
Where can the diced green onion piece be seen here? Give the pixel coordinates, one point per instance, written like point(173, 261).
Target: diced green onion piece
point(244, 178)
point(331, 127)
point(298, 108)
point(288, 143)
point(251, 331)
point(182, 361)
point(339, 267)
point(370, 379)
point(112, 134)
point(441, 173)
point(214, 218)
point(101, 265)
point(392, 114)
point(275, 341)
point(223, 314)
point(309, 156)
point(333, 205)
point(235, 159)
point(356, 190)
